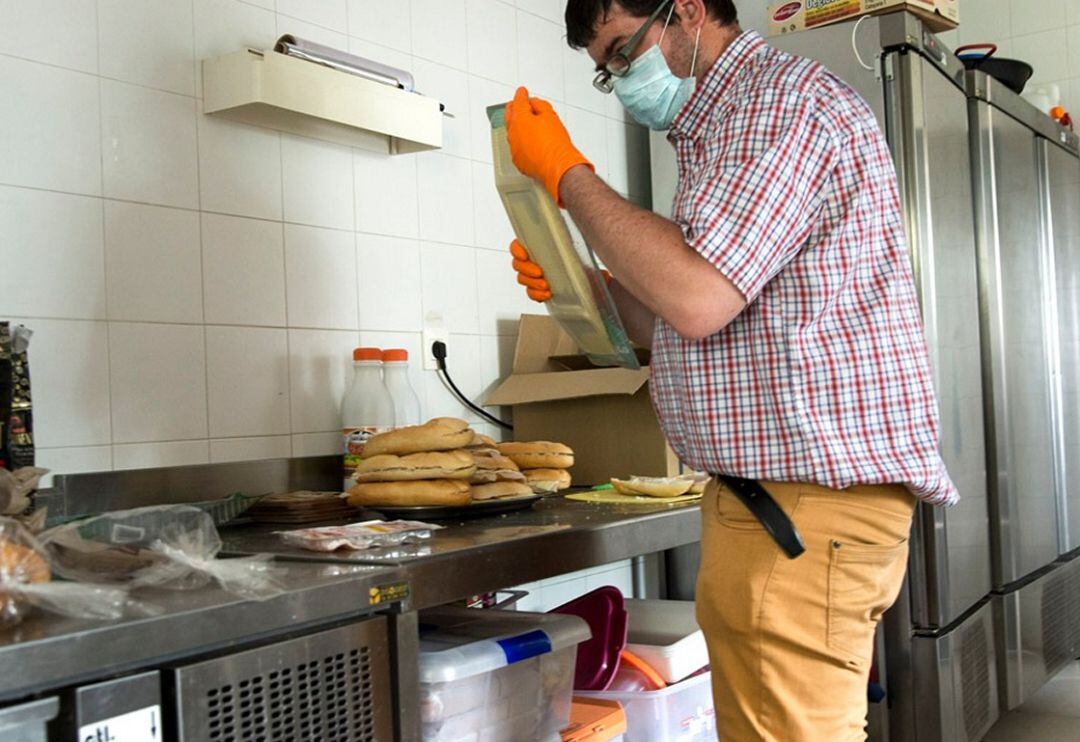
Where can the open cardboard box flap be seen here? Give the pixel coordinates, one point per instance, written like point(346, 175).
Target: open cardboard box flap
point(542, 371)
point(604, 414)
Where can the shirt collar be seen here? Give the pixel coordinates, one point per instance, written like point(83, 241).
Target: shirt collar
point(716, 82)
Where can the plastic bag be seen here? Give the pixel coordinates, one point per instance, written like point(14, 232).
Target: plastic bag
point(16, 486)
point(26, 582)
point(166, 546)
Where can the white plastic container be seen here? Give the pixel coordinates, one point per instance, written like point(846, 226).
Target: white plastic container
point(665, 634)
point(679, 713)
point(396, 377)
point(366, 409)
point(495, 676)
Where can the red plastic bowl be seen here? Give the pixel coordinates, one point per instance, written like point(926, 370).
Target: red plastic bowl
point(598, 659)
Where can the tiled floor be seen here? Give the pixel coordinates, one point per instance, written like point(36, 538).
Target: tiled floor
point(1052, 715)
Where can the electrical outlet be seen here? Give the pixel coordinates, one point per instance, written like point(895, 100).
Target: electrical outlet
point(434, 331)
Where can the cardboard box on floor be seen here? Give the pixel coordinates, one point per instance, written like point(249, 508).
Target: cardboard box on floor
point(791, 16)
point(604, 414)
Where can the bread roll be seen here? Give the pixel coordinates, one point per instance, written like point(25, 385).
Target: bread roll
point(653, 486)
point(500, 490)
point(22, 565)
point(416, 466)
point(482, 441)
point(494, 462)
point(487, 476)
point(440, 434)
point(538, 454)
point(547, 480)
point(438, 492)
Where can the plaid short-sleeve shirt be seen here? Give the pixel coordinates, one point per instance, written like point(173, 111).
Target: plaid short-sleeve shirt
point(786, 185)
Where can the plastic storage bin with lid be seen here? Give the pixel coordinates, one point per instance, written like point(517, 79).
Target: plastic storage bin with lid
point(678, 713)
point(664, 636)
point(496, 676)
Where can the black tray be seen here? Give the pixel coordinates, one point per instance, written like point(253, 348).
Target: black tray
point(481, 509)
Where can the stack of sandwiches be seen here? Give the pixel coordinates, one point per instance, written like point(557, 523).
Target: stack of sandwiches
point(445, 463)
point(543, 463)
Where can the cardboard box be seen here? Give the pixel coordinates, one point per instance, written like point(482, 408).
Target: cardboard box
point(790, 16)
point(604, 414)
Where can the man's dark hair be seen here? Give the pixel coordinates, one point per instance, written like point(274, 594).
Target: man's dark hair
point(583, 15)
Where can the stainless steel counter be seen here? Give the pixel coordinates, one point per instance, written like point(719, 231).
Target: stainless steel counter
point(474, 556)
point(46, 652)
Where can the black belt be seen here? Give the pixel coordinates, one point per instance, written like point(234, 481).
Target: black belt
point(772, 518)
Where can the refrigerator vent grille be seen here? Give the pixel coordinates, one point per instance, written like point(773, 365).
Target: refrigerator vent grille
point(329, 698)
point(1057, 626)
point(975, 673)
point(330, 686)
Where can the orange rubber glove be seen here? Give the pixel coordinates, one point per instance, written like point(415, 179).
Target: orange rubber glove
point(539, 143)
point(531, 275)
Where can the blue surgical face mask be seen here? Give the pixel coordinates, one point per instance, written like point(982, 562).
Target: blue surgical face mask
point(651, 92)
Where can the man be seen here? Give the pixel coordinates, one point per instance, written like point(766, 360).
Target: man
point(786, 337)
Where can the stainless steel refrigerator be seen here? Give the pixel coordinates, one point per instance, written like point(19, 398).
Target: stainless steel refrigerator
point(1026, 196)
point(939, 661)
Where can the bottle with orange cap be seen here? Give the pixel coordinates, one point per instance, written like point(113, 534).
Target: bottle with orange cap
point(366, 409)
point(396, 377)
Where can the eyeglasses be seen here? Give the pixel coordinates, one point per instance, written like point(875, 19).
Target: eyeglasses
point(619, 64)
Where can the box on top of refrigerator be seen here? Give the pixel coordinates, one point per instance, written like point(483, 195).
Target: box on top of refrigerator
point(789, 16)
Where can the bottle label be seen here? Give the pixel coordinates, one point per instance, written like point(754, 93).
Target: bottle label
point(354, 440)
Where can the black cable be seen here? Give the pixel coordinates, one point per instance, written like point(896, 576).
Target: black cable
point(438, 349)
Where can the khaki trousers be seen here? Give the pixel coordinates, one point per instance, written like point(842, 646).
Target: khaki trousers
point(790, 640)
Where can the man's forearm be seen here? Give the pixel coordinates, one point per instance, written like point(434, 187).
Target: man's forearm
point(649, 256)
point(637, 318)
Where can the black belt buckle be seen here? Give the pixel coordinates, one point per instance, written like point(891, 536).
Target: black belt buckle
point(772, 518)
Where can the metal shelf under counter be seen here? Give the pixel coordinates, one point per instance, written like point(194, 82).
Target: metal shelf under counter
point(469, 557)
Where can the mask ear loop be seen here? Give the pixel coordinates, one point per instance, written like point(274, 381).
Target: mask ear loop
point(693, 60)
point(667, 22)
point(697, 39)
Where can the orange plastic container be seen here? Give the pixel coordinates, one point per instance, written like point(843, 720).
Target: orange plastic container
point(593, 720)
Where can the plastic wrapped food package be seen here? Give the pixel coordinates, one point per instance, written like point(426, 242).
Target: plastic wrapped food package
point(367, 535)
point(581, 303)
point(26, 583)
point(167, 546)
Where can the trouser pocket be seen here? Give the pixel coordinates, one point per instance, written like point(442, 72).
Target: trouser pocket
point(864, 580)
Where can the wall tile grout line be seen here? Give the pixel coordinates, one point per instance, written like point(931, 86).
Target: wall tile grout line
point(285, 269)
point(202, 271)
point(105, 246)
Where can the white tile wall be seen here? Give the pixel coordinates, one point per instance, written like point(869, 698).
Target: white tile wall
point(149, 150)
point(384, 23)
point(320, 367)
point(320, 277)
point(243, 264)
point(247, 371)
point(388, 276)
point(153, 263)
point(196, 285)
point(56, 125)
point(60, 32)
point(318, 183)
point(157, 376)
point(440, 32)
point(148, 42)
point(43, 230)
